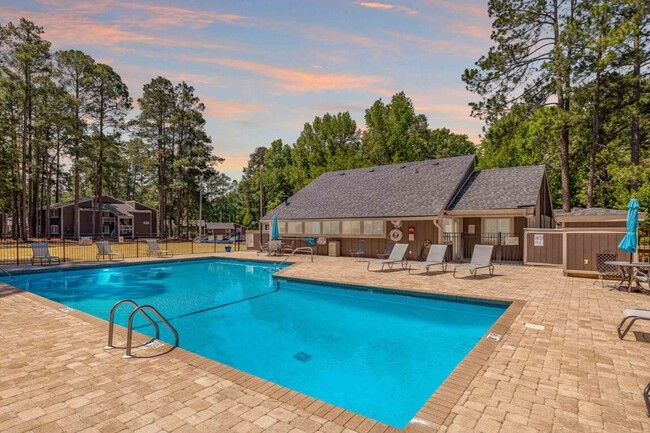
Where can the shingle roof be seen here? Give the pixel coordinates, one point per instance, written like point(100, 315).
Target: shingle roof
point(411, 189)
point(501, 188)
point(594, 211)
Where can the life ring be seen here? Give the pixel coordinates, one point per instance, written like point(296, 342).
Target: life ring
point(427, 243)
point(396, 223)
point(395, 235)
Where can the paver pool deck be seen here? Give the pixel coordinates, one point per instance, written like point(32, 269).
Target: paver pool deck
point(573, 376)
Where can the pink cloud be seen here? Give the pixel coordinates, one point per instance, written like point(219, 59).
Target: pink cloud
point(164, 16)
point(296, 80)
point(388, 6)
point(233, 162)
point(474, 31)
point(338, 37)
point(462, 7)
point(438, 45)
point(231, 110)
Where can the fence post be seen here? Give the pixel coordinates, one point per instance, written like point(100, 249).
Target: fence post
point(192, 246)
point(214, 244)
point(63, 238)
point(17, 251)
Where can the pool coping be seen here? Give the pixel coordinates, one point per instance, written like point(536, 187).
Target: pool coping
point(430, 417)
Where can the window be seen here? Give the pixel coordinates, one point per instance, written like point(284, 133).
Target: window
point(107, 214)
point(106, 229)
point(312, 227)
point(351, 227)
point(54, 229)
point(497, 225)
point(282, 226)
point(54, 213)
point(331, 228)
point(294, 227)
point(373, 227)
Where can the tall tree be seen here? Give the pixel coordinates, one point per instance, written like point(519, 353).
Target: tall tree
point(109, 105)
point(75, 74)
point(156, 111)
point(24, 56)
point(530, 64)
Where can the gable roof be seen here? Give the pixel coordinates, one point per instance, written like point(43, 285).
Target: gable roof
point(413, 189)
point(594, 211)
point(501, 188)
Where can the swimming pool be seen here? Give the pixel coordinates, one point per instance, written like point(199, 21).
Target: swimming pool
point(378, 354)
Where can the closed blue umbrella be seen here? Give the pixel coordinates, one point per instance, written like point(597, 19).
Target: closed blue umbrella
point(628, 243)
point(275, 231)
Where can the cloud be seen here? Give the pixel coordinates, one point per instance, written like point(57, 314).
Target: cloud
point(438, 45)
point(388, 6)
point(338, 37)
point(462, 7)
point(70, 30)
point(164, 16)
point(474, 31)
point(231, 110)
point(296, 80)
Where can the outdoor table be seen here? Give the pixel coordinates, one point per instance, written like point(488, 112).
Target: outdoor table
point(627, 272)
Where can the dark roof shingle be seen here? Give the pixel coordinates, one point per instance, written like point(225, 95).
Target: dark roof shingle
point(413, 189)
point(501, 188)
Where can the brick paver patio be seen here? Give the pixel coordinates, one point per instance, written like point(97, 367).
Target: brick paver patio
point(573, 376)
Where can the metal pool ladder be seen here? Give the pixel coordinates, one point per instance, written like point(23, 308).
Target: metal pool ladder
point(142, 309)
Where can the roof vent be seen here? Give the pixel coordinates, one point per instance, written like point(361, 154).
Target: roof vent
point(342, 174)
point(371, 170)
point(402, 166)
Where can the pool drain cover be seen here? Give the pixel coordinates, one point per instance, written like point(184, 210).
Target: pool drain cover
point(302, 357)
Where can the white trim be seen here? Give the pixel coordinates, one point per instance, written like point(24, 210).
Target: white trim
point(491, 212)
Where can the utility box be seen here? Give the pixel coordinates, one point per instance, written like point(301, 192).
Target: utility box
point(334, 249)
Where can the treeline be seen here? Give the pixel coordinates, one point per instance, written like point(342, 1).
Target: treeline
point(393, 133)
point(67, 131)
point(566, 84)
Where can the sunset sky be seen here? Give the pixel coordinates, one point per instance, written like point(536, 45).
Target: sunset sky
point(263, 68)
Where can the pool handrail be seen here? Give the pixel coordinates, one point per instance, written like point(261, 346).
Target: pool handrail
point(111, 322)
point(129, 331)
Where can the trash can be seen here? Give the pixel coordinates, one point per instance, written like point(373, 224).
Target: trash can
point(334, 249)
point(228, 248)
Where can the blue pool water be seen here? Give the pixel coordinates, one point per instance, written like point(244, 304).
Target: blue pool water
point(378, 354)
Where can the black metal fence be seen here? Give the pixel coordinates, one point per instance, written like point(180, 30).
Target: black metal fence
point(17, 251)
point(508, 247)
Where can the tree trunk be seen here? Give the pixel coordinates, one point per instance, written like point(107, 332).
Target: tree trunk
point(595, 142)
point(25, 135)
point(635, 139)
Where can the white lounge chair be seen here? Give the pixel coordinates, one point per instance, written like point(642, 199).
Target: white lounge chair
point(154, 248)
point(436, 256)
point(481, 258)
point(104, 250)
point(41, 251)
point(396, 256)
point(630, 316)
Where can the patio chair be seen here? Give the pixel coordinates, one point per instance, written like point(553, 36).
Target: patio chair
point(41, 251)
point(154, 248)
point(436, 256)
point(264, 248)
point(287, 248)
point(631, 315)
point(641, 277)
point(481, 258)
point(275, 248)
point(605, 270)
point(396, 256)
point(360, 251)
point(388, 248)
point(104, 250)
